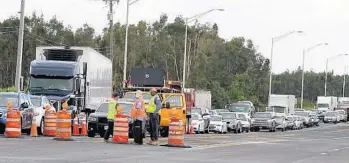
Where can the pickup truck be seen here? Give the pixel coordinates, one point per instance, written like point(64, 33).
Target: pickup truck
point(263, 120)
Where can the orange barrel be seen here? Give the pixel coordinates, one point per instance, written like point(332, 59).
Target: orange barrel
point(50, 123)
point(13, 123)
point(63, 125)
point(176, 132)
point(120, 134)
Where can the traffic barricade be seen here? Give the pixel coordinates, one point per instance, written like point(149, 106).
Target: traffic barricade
point(63, 131)
point(120, 134)
point(13, 123)
point(176, 133)
point(50, 123)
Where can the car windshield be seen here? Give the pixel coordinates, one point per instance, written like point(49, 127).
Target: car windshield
point(132, 95)
point(4, 99)
point(301, 113)
point(103, 108)
point(239, 108)
point(216, 118)
point(51, 84)
point(126, 108)
point(331, 114)
point(243, 117)
point(194, 117)
point(221, 110)
point(262, 115)
point(322, 105)
point(244, 102)
point(228, 115)
point(36, 101)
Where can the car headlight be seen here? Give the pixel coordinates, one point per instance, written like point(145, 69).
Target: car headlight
point(91, 119)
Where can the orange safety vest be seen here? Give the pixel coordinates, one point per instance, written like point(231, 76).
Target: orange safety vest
point(138, 113)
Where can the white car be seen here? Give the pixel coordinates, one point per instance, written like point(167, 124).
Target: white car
point(332, 116)
point(198, 123)
point(343, 115)
point(281, 123)
point(217, 124)
point(298, 122)
point(245, 121)
point(39, 103)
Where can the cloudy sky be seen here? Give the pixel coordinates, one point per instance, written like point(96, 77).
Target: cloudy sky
point(260, 20)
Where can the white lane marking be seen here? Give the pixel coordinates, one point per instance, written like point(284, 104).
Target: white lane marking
point(30, 158)
point(323, 153)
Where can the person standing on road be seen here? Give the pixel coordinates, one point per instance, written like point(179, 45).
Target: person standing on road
point(153, 110)
point(138, 114)
point(111, 115)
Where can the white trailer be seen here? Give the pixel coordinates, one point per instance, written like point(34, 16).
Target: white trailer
point(203, 99)
point(284, 104)
point(343, 101)
point(326, 103)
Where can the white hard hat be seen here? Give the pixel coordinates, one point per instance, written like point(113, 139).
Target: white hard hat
point(138, 93)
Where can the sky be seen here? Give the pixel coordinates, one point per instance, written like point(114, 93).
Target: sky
point(322, 21)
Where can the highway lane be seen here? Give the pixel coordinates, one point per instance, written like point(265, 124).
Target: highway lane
point(327, 143)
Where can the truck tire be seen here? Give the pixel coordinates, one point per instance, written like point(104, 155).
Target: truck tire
point(91, 134)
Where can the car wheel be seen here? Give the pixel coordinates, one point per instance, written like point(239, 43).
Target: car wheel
point(40, 129)
point(91, 134)
point(247, 130)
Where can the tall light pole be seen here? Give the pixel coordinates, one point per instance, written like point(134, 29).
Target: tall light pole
point(20, 49)
point(328, 59)
point(273, 40)
point(188, 20)
point(344, 74)
point(129, 3)
point(304, 52)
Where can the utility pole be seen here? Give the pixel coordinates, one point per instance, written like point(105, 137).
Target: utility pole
point(20, 49)
point(111, 23)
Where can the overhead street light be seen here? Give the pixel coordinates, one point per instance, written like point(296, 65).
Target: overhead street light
point(273, 40)
point(188, 20)
point(326, 70)
point(129, 3)
point(304, 52)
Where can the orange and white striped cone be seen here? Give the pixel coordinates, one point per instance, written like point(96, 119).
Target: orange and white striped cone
point(191, 131)
point(76, 127)
point(34, 129)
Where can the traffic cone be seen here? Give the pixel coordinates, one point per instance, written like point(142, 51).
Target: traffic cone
point(34, 129)
point(191, 131)
point(84, 126)
point(76, 127)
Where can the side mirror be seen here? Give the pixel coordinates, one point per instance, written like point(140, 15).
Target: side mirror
point(77, 82)
point(25, 105)
point(167, 105)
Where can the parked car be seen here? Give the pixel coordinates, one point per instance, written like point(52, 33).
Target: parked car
point(246, 102)
point(331, 116)
point(39, 103)
point(98, 122)
point(263, 120)
point(281, 123)
point(218, 124)
point(198, 123)
point(314, 118)
point(305, 116)
point(299, 122)
point(233, 123)
point(291, 122)
point(212, 112)
point(20, 101)
point(245, 121)
point(343, 115)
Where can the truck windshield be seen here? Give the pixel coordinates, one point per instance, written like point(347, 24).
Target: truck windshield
point(322, 105)
point(4, 99)
point(51, 84)
point(132, 95)
point(239, 108)
point(262, 115)
point(277, 109)
point(36, 101)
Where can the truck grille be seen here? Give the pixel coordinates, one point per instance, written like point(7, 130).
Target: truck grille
point(102, 120)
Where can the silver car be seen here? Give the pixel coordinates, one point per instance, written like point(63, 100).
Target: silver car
point(332, 116)
point(233, 123)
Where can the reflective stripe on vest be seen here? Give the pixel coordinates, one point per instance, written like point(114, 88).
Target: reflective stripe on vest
point(152, 106)
point(111, 109)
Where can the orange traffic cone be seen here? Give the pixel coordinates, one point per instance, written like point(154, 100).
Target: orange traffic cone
point(76, 127)
point(191, 131)
point(34, 129)
point(84, 126)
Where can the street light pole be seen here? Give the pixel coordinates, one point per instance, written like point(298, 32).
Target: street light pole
point(344, 74)
point(326, 69)
point(188, 20)
point(20, 49)
point(303, 70)
point(129, 3)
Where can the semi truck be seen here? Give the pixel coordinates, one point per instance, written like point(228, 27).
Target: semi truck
point(326, 103)
point(80, 76)
point(343, 104)
point(282, 104)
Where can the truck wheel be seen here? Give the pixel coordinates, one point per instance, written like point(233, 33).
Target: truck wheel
point(91, 134)
point(101, 133)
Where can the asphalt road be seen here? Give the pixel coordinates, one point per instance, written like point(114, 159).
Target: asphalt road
point(327, 143)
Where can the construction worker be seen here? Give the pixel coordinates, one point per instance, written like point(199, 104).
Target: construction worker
point(111, 115)
point(138, 114)
point(153, 110)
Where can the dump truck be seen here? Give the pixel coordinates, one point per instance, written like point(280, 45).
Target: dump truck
point(80, 76)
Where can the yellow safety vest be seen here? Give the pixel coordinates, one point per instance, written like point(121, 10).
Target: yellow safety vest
point(152, 106)
point(111, 109)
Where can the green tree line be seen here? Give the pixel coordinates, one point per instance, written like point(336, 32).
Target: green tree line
point(231, 69)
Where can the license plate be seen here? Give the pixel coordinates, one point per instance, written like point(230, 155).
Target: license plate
point(105, 127)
